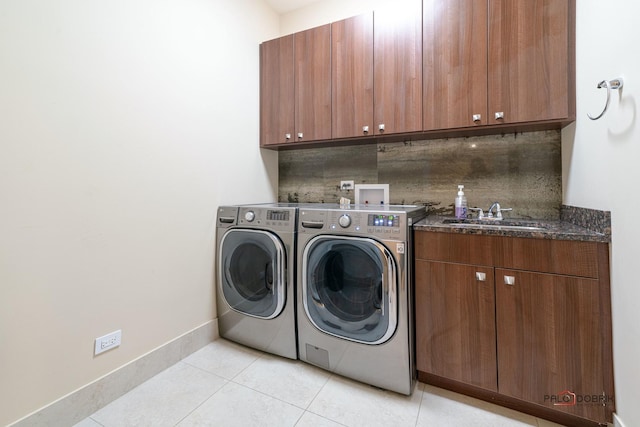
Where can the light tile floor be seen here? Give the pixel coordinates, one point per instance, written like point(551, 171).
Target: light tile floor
point(225, 384)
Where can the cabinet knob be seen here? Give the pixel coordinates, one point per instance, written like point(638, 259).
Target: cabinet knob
point(381, 127)
point(500, 115)
point(481, 277)
point(287, 136)
point(509, 280)
point(477, 118)
point(300, 135)
point(365, 129)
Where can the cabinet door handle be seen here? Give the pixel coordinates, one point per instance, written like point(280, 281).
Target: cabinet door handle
point(365, 129)
point(287, 136)
point(481, 277)
point(509, 280)
point(500, 115)
point(381, 127)
point(477, 118)
point(300, 135)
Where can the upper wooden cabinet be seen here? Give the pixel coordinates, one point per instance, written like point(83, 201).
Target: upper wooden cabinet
point(426, 68)
point(312, 76)
point(398, 68)
point(352, 76)
point(276, 91)
point(531, 60)
point(498, 62)
point(455, 63)
point(295, 87)
point(377, 72)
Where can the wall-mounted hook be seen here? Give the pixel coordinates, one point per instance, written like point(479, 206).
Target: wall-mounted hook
point(608, 84)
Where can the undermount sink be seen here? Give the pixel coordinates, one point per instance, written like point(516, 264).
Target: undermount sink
point(490, 224)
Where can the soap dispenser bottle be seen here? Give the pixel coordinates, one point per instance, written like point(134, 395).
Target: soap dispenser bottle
point(460, 204)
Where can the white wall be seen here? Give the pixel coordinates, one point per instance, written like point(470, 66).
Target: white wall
point(601, 169)
point(326, 11)
point(123, 125)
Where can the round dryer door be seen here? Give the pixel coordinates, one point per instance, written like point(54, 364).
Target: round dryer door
point(252, 272)
point(349, 288)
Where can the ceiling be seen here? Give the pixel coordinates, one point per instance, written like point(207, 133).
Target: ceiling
point(284, 6)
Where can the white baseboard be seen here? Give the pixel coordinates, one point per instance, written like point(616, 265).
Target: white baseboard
point(617, 422)
point(83, 402)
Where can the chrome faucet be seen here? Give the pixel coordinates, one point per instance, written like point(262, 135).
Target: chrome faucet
point(499, 211)
point(489, 214)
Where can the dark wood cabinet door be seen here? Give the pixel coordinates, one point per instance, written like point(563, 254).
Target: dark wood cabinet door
point(530, 60)
point(455, 247)
point(455, 322)
point(312, 75)
point(398, 69)
point(550, 341)
point(566, 257)
point(455, 63)
point(352, 76)
point(276, 91)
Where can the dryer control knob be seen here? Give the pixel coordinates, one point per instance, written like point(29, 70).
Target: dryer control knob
point(344, 221)
point(250, 216)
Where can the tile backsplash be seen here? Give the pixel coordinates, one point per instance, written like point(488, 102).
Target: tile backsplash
point(522, 171)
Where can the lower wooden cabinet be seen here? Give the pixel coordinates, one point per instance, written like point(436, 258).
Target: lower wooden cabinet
point(549, 335)
point(533, 340)
point(456, 322)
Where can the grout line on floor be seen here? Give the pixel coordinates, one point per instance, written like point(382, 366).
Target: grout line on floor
point(268, 395)
point(315, 396)
point(323, 417)
point(96, 421)
point(420, 386)
point(262, 355)
point(205, 400)
point(204, 370)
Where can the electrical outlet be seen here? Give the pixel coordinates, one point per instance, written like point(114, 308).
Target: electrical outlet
point(107, 342)
point(347, 185)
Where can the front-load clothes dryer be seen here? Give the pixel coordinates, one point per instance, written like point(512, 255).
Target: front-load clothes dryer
point(255, 275)
point(355, 313)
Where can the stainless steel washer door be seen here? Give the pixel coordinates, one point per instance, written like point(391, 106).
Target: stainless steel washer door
point(349, 288)
point(252, 272)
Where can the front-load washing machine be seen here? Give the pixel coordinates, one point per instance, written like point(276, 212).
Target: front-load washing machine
point(355, 313)
point(255, 275)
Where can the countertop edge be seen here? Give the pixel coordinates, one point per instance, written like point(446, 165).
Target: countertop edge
point(553, 230)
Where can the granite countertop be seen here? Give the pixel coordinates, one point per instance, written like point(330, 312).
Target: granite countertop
point(540, 229)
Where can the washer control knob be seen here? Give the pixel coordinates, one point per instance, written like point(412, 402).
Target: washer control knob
point(250, 216)
point(344, 221)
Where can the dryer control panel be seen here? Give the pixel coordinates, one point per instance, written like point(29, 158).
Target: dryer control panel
point(354, 222)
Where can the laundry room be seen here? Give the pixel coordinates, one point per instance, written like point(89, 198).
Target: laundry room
point(137, 191)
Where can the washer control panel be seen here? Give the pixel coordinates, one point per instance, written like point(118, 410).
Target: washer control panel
point(271, 218)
